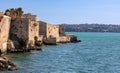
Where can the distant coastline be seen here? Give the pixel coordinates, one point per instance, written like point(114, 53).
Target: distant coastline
point(92, 28)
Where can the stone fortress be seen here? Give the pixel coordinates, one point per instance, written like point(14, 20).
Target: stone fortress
point(25, 32)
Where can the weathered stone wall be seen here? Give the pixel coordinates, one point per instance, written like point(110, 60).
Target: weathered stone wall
point(19, 29)
point(48, 30)
point(63, 39)
point(24, 31)
point(67, 38)
point(61, 30)
point(30, 16)
point(52, 31)
point(33, 31)
point(42, 28)
point(4, 32)
point(1, 13)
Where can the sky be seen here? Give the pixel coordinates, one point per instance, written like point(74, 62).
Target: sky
point(69, 11)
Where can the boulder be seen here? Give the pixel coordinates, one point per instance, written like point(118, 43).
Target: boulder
point(5, 64)
point(74, 39)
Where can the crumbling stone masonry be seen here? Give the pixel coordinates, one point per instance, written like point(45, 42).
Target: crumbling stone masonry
point(50, 32)
point(61, 30)
point(29, 15)
point(23, 32)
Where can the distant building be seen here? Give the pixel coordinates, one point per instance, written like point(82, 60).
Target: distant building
point(24, 30)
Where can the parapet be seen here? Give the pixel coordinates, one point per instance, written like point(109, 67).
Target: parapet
point(30, 16)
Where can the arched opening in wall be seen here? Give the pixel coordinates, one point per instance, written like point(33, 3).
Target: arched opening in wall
point(35, 24)
point(35, 38)
point(50, 36)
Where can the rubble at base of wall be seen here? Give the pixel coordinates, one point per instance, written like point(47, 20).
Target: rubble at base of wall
point(11, 47)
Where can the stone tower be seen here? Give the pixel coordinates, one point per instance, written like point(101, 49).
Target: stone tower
point(4, 32)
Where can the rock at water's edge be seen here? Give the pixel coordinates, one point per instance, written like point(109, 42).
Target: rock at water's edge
point(5, 64)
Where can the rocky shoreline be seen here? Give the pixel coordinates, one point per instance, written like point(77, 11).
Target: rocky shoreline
point(6, 64)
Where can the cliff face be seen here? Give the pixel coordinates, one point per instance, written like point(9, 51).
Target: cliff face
point(4, 32)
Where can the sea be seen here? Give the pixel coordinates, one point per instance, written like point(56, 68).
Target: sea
point(97, 53)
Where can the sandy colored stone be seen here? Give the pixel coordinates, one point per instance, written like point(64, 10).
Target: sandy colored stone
point(4, 32)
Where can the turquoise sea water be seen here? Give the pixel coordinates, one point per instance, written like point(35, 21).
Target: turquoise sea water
point(97, 53)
